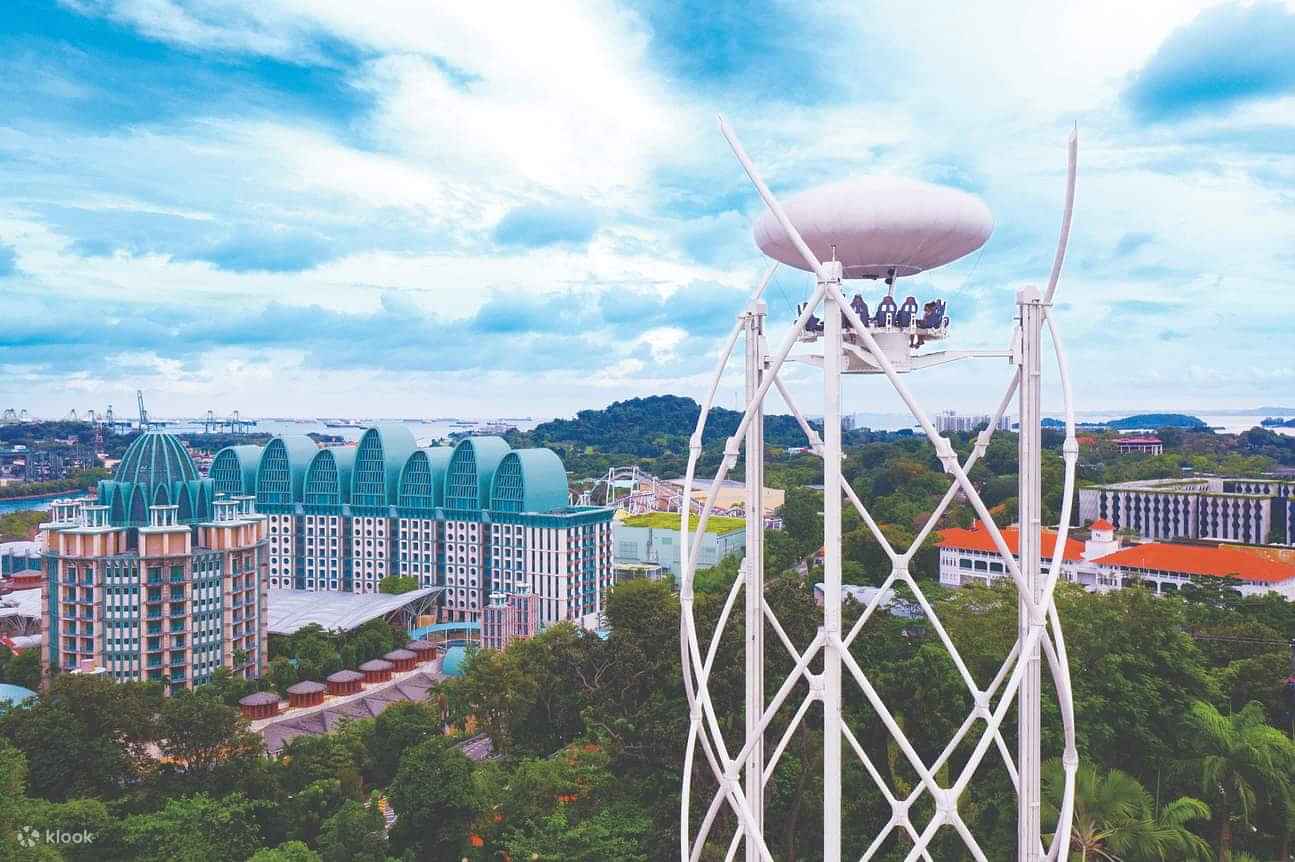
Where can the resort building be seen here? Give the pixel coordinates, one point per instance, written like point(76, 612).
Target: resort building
point(162, 578)
point(1101, 563)
point(1140, 445)
point(474, 519)
point(654, 538)
point(1251, 511)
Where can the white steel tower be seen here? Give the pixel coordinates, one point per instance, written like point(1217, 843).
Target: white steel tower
point(878, 228)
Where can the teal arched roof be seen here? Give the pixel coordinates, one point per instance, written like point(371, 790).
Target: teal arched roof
point(155, 458)
point(281, 472)
point(14, 694)
point(234, 470)
point(471, 471)
point(529, 480)
point(422, 480)
point(379, 458)
point(328, 478)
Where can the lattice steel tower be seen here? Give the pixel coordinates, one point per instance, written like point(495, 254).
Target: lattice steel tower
point(881, 229)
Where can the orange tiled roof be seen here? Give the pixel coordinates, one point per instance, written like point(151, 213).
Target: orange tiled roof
point(1215, 561)
point(1101, 524)
point(978, 539)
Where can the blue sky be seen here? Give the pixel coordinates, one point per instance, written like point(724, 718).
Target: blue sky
point(318, 207)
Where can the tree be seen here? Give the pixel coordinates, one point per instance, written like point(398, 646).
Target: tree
point(22, 669)
point(397, 584)
point(200, 734)
point(1116, 819)
point(434, 801)
point(315, 804)
point(356, 833)
point(85, 736)
point(291, 851)
point(196, 829)
point(399, 728)
point(1242, 761)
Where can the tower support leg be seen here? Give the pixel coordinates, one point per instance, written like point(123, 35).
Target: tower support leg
point(832, 736)
point(754, 563)
point(1030, 504)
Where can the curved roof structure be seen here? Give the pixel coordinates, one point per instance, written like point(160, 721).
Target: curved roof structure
point(281, 473)
point(471, 471)
point(155, 458)
point(529, 480)
point(379, 459)
point(233, 470)
point(328, 477)
point(422, 480)
point(878, 226)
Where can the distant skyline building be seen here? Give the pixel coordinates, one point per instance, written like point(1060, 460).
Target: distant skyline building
point(950, 421)
point(476, 518)
point(160, 579)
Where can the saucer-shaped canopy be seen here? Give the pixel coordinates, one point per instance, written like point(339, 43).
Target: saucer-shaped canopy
point(877, 224)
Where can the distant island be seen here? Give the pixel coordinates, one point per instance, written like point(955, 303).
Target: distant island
point(1141, 420)
point(1277, 422)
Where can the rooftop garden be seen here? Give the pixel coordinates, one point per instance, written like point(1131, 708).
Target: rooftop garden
point(670, 521)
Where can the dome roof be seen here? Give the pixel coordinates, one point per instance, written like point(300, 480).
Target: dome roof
point(155, 458)
point(879, 224)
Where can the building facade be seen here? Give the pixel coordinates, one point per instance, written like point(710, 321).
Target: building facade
point(476, 518)
point(1252, 511)
point(509, 617)
point(161, 579)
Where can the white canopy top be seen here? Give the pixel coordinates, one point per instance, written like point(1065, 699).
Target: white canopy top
point(877, 224)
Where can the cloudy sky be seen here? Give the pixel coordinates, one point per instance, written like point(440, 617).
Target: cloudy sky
point(403, 208)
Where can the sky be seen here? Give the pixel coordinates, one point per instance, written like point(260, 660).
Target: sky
point(406, 209)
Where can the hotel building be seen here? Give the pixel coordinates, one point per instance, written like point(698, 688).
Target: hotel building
point(1251, 511)
point(160, 579)
point(476, 518)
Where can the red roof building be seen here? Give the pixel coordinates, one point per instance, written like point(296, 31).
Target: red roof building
point(1217, 561)
point(979, 539)
point(1147, 444)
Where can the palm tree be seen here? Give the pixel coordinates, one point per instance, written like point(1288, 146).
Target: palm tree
point(1243, 762)
point(1115, 818)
